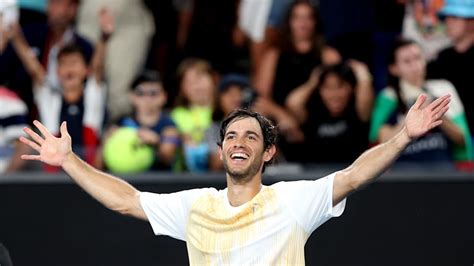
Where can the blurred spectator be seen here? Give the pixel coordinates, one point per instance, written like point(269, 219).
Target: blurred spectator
point(205, 31)
point(8, 17)
point(45, 39)
point(163, 51)
point(153, 125)
point(389, 16)
point(285, 68)
point(457, 62)
point(407, 82)
point(234, 92)
point(13, 117)
point(32, 11)
point(127, 49)
point(80, 99)
point(262, 22)
point(348, 27)
point(423, 25)
point(193, 111)
point(335, 113)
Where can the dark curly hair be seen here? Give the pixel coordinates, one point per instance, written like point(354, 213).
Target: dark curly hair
point(269, 130)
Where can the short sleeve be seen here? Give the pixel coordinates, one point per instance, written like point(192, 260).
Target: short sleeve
point(310, 202)
point(168, 213)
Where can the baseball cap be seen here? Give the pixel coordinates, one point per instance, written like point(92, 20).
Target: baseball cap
point(233, 79)
point(458, 8)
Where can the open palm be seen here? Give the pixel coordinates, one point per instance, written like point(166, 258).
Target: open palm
point(52, 150)
point(420, 120)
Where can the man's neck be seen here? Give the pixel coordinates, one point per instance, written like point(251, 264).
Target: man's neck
point(73, 94)
point(462, 45)
point(57, 34)
point(303, 46)
point(239, 193)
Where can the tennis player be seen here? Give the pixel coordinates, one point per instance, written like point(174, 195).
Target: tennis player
point(247, 222)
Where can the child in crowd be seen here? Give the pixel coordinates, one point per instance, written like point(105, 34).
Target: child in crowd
point(80, 100)
point(408, 69)
point(193, 110)
point(153, 125)
point(335, 112)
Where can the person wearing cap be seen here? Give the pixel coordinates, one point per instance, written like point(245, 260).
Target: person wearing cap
point(234, 91)
point(456, 63)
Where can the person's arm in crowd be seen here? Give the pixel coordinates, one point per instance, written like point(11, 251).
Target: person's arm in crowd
point(453, 132)
point(26, 55)
point(330, 56)
point(185, 16)
point(169, 145)
point(364, 91)
point(372, 163)
point(298, 98)
point(265, 75)
point(111, 191)
point(16, 163)
point(287, 124)
point(107, 27)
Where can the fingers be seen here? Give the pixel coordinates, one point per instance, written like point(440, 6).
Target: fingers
point(30, 157)
point(439, 101)
point(33, 135)
point(420, 101)
point(435, 124)
point(441, 112)
point(42, 129)
point(443, 105)
point(30, 143)
point(63, 129)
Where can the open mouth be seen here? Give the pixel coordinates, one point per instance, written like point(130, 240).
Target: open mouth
point(239, 156)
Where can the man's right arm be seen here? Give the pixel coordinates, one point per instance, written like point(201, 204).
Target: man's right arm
point(111, 191)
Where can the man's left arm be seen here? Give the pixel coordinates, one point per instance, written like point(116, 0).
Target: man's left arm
point(372, 163)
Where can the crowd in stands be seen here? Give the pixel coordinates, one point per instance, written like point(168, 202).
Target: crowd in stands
point(143, 85)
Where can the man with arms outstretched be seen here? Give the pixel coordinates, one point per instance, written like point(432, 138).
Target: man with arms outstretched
point(246, 223)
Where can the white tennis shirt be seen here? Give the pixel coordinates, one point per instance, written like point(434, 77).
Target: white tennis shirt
point(270, 229)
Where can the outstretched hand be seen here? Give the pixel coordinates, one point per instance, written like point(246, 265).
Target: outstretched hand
point(421, 119)
point(52, 150)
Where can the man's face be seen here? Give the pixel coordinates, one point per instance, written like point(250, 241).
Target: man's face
point(61, 13)
point(72, 70)
point(242, 149)
point(410, 64)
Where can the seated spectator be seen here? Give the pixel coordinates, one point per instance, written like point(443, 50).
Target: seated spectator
point(408, 68)
point(153, 125)
point(45, 40)
point(130, 44)
point(288, 66)
point(193, 111)
point(456, 63)
point(335, 113)
point(80, 100)
point(234, 92)
point(13, 118)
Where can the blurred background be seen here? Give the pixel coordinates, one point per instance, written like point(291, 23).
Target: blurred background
point(144, 85)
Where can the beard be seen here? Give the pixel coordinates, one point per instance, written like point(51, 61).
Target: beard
point(244, 174)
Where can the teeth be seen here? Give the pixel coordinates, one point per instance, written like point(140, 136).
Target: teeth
point(239, 155)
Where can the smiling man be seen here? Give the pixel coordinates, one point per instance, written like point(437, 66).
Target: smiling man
point(246, 223)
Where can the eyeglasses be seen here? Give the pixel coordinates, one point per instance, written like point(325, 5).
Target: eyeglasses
point(140, 92)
